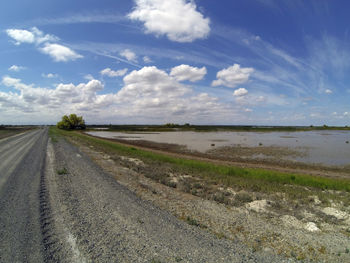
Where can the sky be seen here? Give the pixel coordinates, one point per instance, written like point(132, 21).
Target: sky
point(242, 62)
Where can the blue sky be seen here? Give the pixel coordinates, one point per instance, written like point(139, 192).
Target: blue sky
point(259, 62)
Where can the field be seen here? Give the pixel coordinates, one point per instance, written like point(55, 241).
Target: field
point(6, 131)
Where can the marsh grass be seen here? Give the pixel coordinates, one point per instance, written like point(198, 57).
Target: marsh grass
point(250, 179)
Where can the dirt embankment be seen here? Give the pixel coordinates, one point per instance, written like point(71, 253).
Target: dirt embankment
point(314, 229)
point(244, 157)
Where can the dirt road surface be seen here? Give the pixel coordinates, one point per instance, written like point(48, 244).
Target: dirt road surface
point(22, 159)
point(56, 205)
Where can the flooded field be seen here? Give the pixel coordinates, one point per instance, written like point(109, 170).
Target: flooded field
point(324, 147)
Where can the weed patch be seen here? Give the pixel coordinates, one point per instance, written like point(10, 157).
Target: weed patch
point(62, 171)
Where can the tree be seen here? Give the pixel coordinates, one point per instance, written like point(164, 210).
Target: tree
point(71, 123)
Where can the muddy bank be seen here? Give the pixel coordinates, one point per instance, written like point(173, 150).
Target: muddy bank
point(266, 157)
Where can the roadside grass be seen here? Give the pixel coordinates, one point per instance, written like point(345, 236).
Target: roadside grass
point(257, 180)
point(62, 171)
point(53, 134)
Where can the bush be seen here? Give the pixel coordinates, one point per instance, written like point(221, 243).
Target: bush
point(71, 123)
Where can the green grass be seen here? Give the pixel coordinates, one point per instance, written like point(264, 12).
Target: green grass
point(244, 178)
point(62, 171)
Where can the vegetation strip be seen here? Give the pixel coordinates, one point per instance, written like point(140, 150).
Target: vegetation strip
point(224, 174)
point(212, 128)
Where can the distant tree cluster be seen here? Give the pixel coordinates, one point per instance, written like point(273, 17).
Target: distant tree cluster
point(71, 122)
point(175, 125)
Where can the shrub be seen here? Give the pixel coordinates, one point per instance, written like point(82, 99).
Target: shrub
point(71, 123)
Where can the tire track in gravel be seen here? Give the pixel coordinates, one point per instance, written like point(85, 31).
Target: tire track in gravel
point(60, 245)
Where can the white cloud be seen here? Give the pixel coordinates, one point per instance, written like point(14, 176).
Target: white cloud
point(346, 113)
point(328, 91)
point(153, 93)
point(111, 73)
point(16, 68)
point(186, 72)
point(44, 43)
point(177, 19)
point(148, 95)
point(240, 92)
point(89, 77)
point(40, 37)
point(49, 75)
point(65, 96)
point(129, 55)
point(232, 76)
point(33, 36)
point(146, 59)
point(60, 53)
point(21, 36)
point(153, 82)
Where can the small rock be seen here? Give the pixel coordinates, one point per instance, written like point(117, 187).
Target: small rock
point(317, 201)
point(311, 226)
point(257, 206)
point(340, 215)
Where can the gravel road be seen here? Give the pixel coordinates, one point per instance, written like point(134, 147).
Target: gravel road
point(58, 206)
point(21, 166)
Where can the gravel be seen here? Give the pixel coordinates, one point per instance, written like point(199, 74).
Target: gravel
point(99, 220)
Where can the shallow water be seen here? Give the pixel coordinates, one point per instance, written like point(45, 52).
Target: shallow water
point(325, 147)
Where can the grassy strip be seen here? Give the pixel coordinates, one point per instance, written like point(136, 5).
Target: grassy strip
point(255, 179)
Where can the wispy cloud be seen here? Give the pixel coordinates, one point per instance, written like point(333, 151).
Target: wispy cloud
point(44, 43)
point(323, 65)
point(80, 18)
point(16, 68)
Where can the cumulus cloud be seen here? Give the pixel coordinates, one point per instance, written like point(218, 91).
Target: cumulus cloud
point(328, 91)
point(149, 94)
point(21, 36)
point(16, 68)
point(111, 73)
point(129, 55)
point(151, 82)
point(186, 72)
point(153, 93)
point(59, 53)
point(65, 96)
point(44, 43)
point(240, 92)
point(179, 20)
point(34, 35)
point(232, 76)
